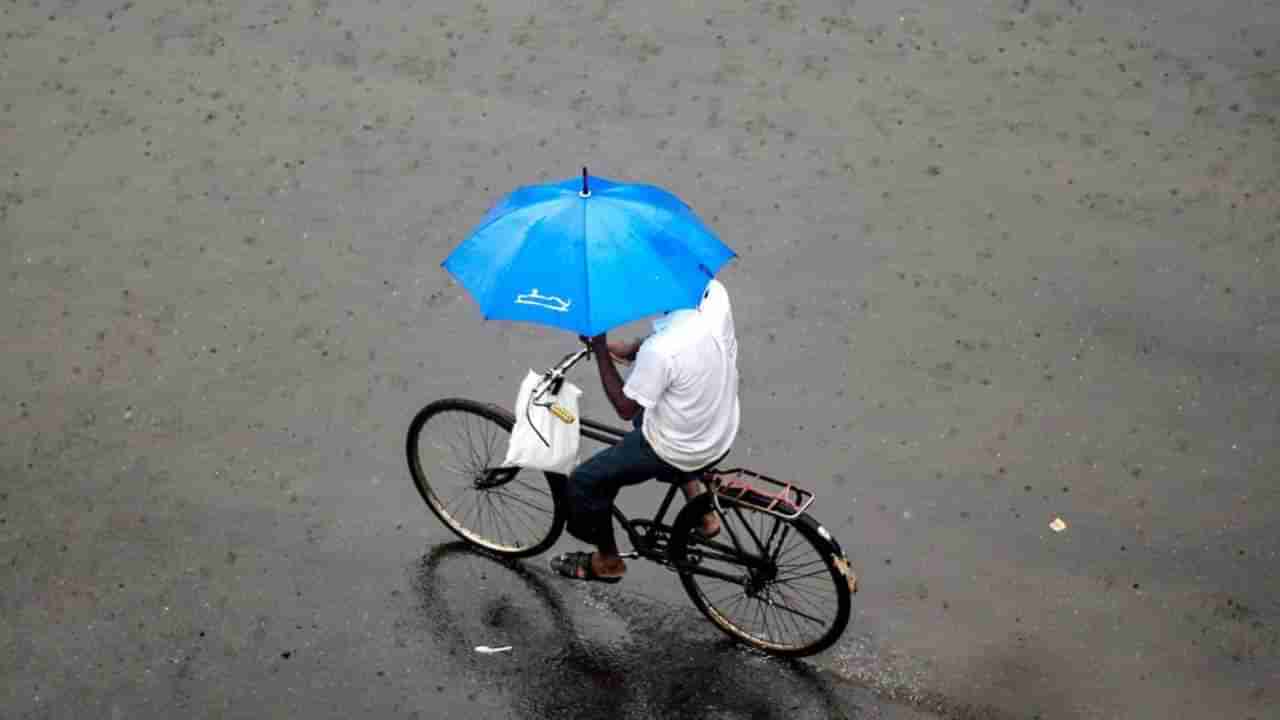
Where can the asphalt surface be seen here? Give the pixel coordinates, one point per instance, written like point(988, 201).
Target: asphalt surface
point(1001, 263)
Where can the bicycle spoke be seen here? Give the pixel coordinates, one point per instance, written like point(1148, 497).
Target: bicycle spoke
point(522, 514)
point(763, 613)
point(457, 449)
point(531, 514)
point(515, 503)
point(794, 623)
point(793, 611)
point(483, 516)
point(470, 445)
point(464, 508)
point(498, 518)
point(783, 621)
point(502, 518)
point(519, 500)
point(477, 510)
point(456, 463)
point(489, 443)
point(780, 625)
point(786, 554)
point(820, 572)
point(760, 619)
point(805, 598)
point(746, 524)
point(532, 488)
point(455, 469)
point(781, 540)
point(507, 518)
point(808, 584)
point(808, 593)
point(803, 559)
point(478, 456)
point(449, 504)
point(797, 599)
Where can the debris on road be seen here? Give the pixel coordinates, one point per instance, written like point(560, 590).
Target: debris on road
point(1057, 525)
point(486, 650)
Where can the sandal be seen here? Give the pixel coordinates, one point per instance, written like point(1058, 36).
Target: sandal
point(701, 531)
point(577, 566)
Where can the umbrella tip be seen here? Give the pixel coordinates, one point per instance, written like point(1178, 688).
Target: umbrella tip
point(586, 192)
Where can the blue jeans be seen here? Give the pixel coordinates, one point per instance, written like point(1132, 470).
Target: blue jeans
point(594, 485)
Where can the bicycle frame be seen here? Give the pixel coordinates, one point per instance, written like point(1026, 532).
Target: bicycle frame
point(730, 488)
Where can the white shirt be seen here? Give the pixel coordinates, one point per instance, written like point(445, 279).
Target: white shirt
point(686, 378)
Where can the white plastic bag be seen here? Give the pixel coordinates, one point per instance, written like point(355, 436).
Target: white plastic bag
point(542, 440)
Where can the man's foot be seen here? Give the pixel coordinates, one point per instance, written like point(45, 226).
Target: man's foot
point(588, 566)
point(711, 521)
point(710, 526)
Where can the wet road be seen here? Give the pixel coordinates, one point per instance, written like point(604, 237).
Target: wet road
point(1001, 263)
point(578, 651)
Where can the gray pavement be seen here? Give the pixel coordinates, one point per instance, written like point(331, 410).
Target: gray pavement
point(1001, 263)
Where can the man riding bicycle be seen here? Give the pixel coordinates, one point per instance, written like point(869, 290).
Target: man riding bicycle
point(682, 399)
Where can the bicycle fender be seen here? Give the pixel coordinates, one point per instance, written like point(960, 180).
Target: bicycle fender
point(841, 562)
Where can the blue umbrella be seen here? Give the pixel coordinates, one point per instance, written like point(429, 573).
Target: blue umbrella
point(587, 258)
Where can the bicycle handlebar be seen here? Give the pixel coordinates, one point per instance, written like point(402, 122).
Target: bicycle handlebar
point(568, 361)
point(554, 377)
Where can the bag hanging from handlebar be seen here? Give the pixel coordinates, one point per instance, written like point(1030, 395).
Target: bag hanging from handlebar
point(547, 431)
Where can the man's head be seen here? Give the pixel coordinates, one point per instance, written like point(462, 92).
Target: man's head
point(667, 319)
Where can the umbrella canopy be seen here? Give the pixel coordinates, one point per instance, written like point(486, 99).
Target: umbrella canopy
point(587, 256)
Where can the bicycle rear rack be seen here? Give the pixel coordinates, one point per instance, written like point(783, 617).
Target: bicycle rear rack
point(750, 488)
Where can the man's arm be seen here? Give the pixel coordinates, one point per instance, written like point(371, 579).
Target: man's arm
point(625, 351)
point(611, 380)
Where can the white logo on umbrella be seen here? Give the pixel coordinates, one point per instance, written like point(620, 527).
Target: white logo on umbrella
point(549, 302)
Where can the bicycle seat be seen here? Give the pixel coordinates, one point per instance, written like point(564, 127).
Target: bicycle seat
point(713, 464)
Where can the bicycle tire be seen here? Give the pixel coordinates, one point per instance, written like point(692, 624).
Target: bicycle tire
point(753, 626)
point(515, 500)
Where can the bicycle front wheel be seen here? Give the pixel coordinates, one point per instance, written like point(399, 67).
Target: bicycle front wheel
point(775, 584)
point(455, 447)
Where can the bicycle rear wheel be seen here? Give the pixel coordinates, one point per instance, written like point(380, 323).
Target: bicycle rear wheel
point(780, 586)
point(455, 447)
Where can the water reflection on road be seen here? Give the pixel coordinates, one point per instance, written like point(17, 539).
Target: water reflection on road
point(586, 651)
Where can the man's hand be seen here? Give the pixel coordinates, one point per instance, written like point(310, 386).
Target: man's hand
point(620, 350)
point(624, 351)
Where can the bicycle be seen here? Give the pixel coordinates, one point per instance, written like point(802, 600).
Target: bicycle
point(771, 573)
